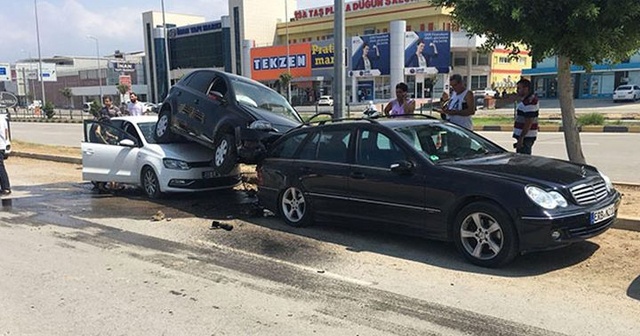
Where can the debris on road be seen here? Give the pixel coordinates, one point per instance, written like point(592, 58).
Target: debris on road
point(158, 216)
point(219, 225)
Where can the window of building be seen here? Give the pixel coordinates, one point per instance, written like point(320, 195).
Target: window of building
point(504, 60)
point(478, 82)
point(459, 59)
point(422, 27)
point(408, 27)
point(384, 30)
point(430, 26)
point(369, 31)
point(448, 26)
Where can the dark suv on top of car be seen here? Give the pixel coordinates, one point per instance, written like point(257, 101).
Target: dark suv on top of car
point(235, 116)
point(435, 179)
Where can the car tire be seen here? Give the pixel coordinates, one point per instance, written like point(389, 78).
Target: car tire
point(484, 235)
point(150, 183)
point(295, 208)
point(225, 155)
point(163, 133)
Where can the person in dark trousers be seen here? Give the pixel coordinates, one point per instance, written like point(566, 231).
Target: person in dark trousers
point(4, 177)
point(525, 126)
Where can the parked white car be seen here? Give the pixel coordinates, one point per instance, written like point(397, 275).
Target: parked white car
point(123, 150)
point(7, 149)
point(626, 92)
point(325, 100)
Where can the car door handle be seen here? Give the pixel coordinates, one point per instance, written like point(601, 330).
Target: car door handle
point(357, 175)
point(89, 151)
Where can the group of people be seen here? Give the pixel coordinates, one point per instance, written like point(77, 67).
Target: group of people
point(108, 110)
point(458, 106)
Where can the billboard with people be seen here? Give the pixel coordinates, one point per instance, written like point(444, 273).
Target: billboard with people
point(427, 52)
point(370, 55)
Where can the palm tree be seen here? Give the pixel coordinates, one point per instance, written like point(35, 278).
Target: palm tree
point(122, 88)
point(285, 80)
point(67, 93)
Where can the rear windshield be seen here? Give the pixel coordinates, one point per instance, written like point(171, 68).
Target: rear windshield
point(626, 87)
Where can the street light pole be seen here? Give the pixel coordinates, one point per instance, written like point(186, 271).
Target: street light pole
point(286, 27)
point(98, 63)
point(166, 51)
point(35, 3)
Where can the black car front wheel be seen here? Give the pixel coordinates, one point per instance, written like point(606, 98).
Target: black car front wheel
point(225, 155)
point(150, 183)
point(484, 234)
point(295, 208)
point(163, 132)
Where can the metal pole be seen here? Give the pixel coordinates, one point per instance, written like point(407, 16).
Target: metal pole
point(35, 3)
point(166, 50)
point(98, 64)
point(286, 26)
point(339, 63)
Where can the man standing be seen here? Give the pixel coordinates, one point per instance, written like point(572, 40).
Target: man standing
point(525, 126)
point(135, 107)
point(108, 110)
point(461, 105)
point(4, 178)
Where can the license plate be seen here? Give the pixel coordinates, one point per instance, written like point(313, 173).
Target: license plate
point(209, 174)
point(603, 214)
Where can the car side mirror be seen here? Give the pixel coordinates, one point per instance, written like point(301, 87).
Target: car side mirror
point(402, 167)
point(127, 143)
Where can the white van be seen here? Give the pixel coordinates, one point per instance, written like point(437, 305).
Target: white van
point(7, 150)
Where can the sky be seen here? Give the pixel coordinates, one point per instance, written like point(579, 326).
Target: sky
point(117, 24)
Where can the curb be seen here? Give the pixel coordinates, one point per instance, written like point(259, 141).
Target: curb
point(551, 128)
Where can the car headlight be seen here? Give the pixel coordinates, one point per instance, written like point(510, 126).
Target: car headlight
point(545, 199)
point(261, 125)
point(175, 164)
point(607, 181)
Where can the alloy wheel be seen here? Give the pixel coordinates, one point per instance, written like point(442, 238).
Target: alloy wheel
point(293, 205)
point(481, 236)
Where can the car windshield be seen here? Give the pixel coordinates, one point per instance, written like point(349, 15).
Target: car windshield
point(624, 88)
point(441, 142)
point(252, 95)
point(147, 129)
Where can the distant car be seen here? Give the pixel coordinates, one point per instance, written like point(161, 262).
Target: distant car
point(34, 105)
point(235, 116)
point(325, 100)
point(124, 150)
point(626, 92)
point(434, 179)
point(86, 107)
point(149, 107)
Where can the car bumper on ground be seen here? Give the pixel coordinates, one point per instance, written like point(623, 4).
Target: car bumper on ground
point(544, 233)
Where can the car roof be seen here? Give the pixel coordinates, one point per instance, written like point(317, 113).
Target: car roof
point(390, 123)
point(137, 119)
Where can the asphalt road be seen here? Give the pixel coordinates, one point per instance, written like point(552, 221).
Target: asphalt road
point(616, 154)
point(75, 262)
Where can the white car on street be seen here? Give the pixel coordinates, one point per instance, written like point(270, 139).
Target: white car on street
point(626, 92)
point(123, 150)
point(325, 100)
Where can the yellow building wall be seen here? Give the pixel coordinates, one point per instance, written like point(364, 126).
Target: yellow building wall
point(506, 70)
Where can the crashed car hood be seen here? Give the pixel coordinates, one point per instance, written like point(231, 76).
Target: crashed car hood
point(279, 122)
point(189, 152)
point(529, 169)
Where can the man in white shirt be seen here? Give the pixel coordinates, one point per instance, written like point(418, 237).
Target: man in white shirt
point(4, 178)
point(135, 107)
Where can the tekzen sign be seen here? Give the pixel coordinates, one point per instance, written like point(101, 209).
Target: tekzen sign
point(349, 7)
point(280, 62)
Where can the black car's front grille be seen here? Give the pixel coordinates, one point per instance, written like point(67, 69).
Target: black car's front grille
point(588, 193)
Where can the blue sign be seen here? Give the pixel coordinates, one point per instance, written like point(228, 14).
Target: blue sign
point(427, 52)
point(370, 53)
point(3, 71)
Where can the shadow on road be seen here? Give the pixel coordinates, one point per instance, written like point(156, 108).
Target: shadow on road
point(634, 289)
point(296, 245)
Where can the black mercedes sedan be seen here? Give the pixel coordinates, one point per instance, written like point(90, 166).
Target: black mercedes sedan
point(234, 116)
point(435, 179)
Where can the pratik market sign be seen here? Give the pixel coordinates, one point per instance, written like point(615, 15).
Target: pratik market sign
point(353, 6)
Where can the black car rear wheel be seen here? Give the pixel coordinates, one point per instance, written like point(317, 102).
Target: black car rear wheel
point(163, 132)
point(295, 208)
point(150, 183)
point(484, 234)
point(225, 155)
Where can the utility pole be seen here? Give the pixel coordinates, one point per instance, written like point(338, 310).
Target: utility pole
point(98, 64)
point(286, 27)
point(35, 3)
point(339, 61)
point(166, 50)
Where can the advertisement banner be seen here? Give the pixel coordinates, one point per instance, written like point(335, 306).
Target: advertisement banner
point(427, 52)
point(267, 63)
point(31, 71)
point(5, 72)
point(322, 54)
point(370, 55)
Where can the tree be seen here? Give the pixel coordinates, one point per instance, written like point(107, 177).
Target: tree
point(67, 93)
point(578, 32)
point(285, 80)
point(123, 89)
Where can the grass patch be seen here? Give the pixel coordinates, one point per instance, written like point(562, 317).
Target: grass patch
point(23, 146)
point(591, 119)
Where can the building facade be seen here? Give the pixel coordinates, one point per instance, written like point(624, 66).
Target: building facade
point(598, 83)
